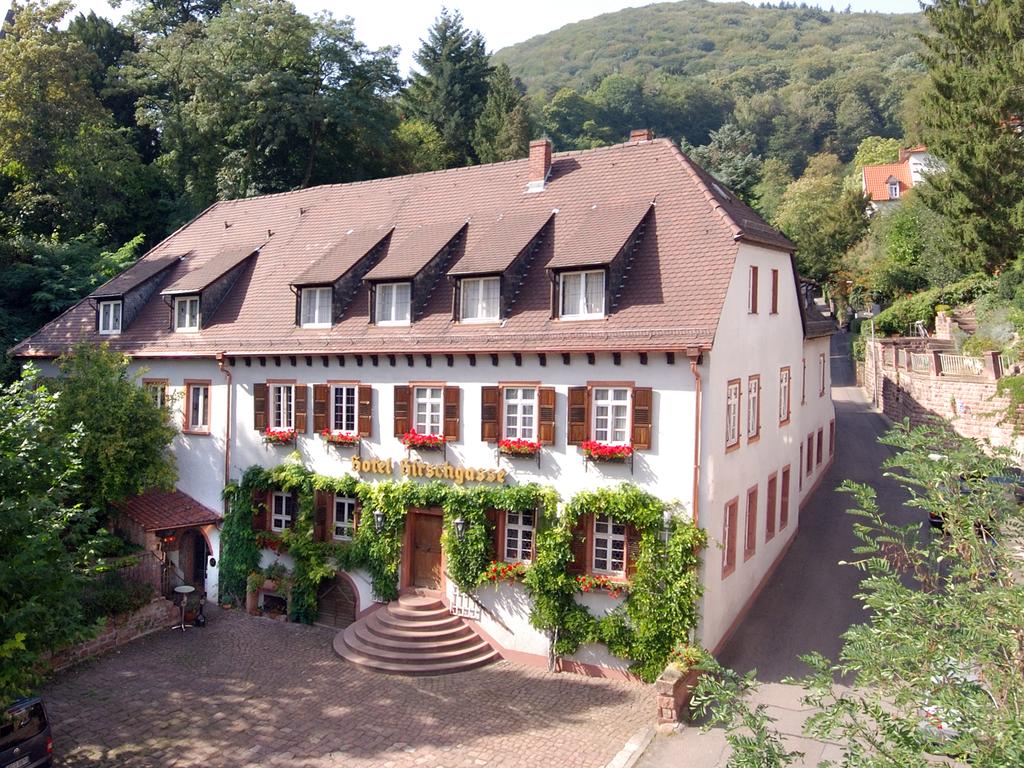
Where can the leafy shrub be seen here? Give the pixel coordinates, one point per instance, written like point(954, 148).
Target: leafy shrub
point(978, 343)
point(901, 316)
point(112, 595)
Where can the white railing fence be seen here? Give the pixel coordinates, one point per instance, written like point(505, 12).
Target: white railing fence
point(464, 605)
point(920, 361)
point(961, 365)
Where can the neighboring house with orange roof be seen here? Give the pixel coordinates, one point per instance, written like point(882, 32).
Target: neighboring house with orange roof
point(886, 183)
point(619, 295)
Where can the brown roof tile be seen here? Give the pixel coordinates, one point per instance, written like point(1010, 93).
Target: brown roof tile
point(493, 245)
point(601, 233)
point(342, 256)
point(157, 510)
point(876, 179)
point(671, 299)
point(212, 269)
point(135, 275)
point(412, 248)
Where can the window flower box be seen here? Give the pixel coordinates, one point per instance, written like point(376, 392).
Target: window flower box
point(413, 439)
point(271, 541)
point(342, 439)
point(518, 447)
point(273, 436)
point(598, 451)
point(600, 584)
point(503, 572)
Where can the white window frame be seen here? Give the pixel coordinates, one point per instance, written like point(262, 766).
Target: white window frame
point(282, 511)
point(318, 303)
point(433, 407)
point(346, 523)
point(519, 533)
point(481, 305)
point(581, 312)
point(191, 318)
point(107, 326)
point(602, 427)
point(282, 406)
point(158, 391)
point(753, 407)
point(785, 394)
point(732, 413)
point(198, 395)
point(515, 410)
point(390, 289)
point(609, 537)
point(349, 408)
point(894, 190)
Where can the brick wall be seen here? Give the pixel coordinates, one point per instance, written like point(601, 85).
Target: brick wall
point(161, 613)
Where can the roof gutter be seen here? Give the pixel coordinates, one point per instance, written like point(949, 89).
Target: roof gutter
point(227, 426)
point(694, 362)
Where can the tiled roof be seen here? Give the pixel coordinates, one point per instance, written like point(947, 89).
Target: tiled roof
point(876, 180)
point(671, 299)
point(600, 235)
point(817, 324)
point(412, 248)
point(493, 246)
point(342, 256)
point(135, 275)
point(157, 510)
point(213, 269)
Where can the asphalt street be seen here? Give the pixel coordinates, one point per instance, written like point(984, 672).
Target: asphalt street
point(809, 601)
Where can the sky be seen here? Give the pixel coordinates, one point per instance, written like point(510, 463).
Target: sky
point(404, 22)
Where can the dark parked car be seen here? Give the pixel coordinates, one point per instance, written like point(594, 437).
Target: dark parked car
point(1012, 482)
point(25, 740)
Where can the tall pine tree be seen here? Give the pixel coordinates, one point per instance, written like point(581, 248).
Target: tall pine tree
point(450, 91)
point(972, 120)
point(503, 131)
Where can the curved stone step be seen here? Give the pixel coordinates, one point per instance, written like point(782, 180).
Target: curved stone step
point(411, 668)
point(418, 614)
point(420, 636)
point(405, 642)
point(419, 603)
point(416, 656)
point(399, 622)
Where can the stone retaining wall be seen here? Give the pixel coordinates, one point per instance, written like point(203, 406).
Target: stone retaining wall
point(161, 613)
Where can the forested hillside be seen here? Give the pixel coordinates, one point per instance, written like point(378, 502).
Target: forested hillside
point(800, 80)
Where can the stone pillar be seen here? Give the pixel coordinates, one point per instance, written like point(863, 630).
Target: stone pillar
point(674, 688)
point(936, 364)
point(991, 362)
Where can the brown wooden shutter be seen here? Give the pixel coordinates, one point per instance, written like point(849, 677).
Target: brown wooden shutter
point(490, 414)
point(259, 406)
point(546, 415)
point(452, 419)
point(357, 516)
point(301, 407)
point(261, 520)
point(579, 415)
point(321, 398)
point(403, 395)
point(494, 519)
point(753, 290)
point(320, 517)
point(643, 409)
point(365, 410)
point(632, 549)
point(580, 546)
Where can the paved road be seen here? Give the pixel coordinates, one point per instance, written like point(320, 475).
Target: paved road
point(808, 603)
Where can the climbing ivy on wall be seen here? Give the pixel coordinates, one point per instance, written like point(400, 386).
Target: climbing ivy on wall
point(659, 611)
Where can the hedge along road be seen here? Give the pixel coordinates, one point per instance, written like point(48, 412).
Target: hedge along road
point(809, 601)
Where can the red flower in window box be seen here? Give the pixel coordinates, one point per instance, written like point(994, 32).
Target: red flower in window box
point(503, 572)
point(413, 439)
point(339, 438)
point(278, 436)
point(598, 451)
point(271, 541)
point(600, 583)
point(518, 447)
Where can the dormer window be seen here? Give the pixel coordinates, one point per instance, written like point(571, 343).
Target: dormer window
point(393, 304)
point(186, 313)
point(316, 307)
point(582, 294)
point(110, 317)
point(480, 299)
point(894, 190)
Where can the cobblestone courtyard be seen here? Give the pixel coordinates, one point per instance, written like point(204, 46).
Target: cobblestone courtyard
point(254, 692)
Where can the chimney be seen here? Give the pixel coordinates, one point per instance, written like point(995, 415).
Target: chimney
point(641, 134)
point(540, 164)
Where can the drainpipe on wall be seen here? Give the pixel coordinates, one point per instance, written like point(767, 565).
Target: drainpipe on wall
point(227, 426)
point(694, 360)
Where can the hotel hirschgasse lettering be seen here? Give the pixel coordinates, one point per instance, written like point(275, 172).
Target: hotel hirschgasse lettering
point(446, 471)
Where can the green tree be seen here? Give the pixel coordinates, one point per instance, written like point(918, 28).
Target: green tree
point(768, 192)
point(971, 118)
point(503, 130)
point(419, 147)
point(730, 157)
point(822, 218)
point(450, 90)
point(945, 631)
point(40, 607)
point(125, 435)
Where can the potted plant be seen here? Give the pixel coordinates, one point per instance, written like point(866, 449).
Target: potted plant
point(598, 451)
point(518, 447)
point(675, 685)
point(276, 575)
point(253, 584)
point(341, 439)
point(191, 607)
point(413, 439)
point(600, 583)
point(503, 572)
point(273, 436)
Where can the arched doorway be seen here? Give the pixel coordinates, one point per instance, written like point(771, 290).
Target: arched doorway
point(336, 602)
point(192, 556)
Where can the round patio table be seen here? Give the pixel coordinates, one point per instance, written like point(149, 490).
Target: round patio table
point(185, 590)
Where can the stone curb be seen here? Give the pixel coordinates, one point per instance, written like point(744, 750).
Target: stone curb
point(633, 750)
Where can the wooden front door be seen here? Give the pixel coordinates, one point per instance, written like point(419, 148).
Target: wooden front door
point(336, 602)
point(426, 551)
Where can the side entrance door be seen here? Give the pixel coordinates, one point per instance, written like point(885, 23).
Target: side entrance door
point(426, 555)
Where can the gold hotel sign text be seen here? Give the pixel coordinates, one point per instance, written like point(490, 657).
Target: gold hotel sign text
point(409, 468)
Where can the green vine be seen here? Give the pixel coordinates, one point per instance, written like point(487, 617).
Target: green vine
point(1012, 388)
point(240, 552)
